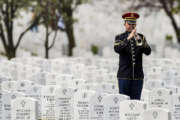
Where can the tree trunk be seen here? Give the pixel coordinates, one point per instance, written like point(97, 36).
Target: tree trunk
point(47, 43)
point(71, 39)
point(171, 17)
point(10, 53)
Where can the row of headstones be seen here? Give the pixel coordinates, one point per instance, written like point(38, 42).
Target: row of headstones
point(169, 79)
point(152, 84)
point(90, 73)
point(26, 85)
point(65, 104)
point(161, 61)
point(164, 69)
point(96, 61)
point(94, 76)
point(17, 71)
point(162, 98)
point(170, 74)
point(163, 75)
point(53, 64)
point(29, 88)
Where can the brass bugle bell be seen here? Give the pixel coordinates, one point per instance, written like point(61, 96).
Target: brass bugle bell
point(138, 40)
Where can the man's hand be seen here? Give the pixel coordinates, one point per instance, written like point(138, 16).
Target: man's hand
point(132, 34)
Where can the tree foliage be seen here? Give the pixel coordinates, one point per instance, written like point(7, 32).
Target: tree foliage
point(9, 11)
point(170, 7)
point(66, 10)
point(50, 11)
point(45, 13)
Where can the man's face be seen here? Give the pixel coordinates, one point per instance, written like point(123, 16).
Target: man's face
point(129, 27)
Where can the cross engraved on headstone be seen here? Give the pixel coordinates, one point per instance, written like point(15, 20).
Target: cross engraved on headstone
point(77, 82)
point(22, 85)
point(35, 89)
point(15, 66)
point(145, 106)
point(64, 91)
point(179, 98)
point(153, 84)
point(176, 74)
point(100, 98)
point(13, 96)
point(115, 100)
point(132, 106)
point(14, 72)
point(63, 78)
point(159, 93)
point(43, 75)
point(23, 103)
point(155, 114)
point(51, 89)
point(24, 68)
point(104, 86)
point(9, 85)
point(88, 87)
point(53, 76)
point(113, 87)
point(33, 71)
point(75, 90)
point(84, 95)
point(170, 92)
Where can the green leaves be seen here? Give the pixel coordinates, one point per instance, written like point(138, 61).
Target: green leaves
point(169, 37)
point(176, 8)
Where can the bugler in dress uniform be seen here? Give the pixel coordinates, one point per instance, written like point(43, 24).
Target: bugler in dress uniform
point(131, 46)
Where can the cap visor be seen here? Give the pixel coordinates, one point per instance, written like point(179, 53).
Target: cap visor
point(131, 22)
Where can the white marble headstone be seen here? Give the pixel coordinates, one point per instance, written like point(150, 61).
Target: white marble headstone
point(161, 98)
point(51, 78)
point(88, 76)
point(173, 88)
point(4, 78)
point(1, 105)
point(64, 103)
point(152, 84)
point(77, 70)
point(96, 106)
point(7, 97)
point(145, 96)
point(9, 85)
point(176, 107)
point(87, 86)
point(48, 103)
point(24, 109)
point(64, 80)
point(35, 92)
point(156, 114)
point(111, 108)
point(81, 104)
point(40, 78)
point(23, 85)
point(132, 109)
point(106, 88)
point(76, 83)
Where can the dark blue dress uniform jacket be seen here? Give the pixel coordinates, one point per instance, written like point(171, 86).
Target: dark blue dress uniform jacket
point(130, 56)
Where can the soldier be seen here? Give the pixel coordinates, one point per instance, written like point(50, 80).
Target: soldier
point(130, 46)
